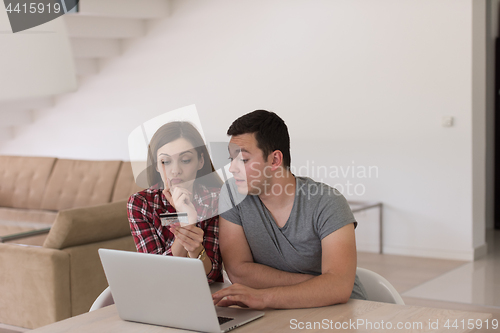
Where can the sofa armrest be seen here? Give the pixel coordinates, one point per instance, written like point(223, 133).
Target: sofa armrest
point(34, 285)
point(87, 278)
point(87, 225)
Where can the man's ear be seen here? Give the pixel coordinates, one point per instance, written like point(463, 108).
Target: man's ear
point(201, 162)
point(277, 159)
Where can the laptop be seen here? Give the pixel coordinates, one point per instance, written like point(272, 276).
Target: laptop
point(167, 291)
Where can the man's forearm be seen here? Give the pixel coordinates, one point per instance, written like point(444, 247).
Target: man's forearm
point(322, 290)
point(261, 276)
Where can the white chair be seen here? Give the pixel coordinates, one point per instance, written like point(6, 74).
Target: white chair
point(377, 288)
point(225, 276)
point(104, 299)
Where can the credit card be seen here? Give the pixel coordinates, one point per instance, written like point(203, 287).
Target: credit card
point(169, 218)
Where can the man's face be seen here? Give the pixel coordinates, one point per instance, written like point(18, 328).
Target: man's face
point(250, 170)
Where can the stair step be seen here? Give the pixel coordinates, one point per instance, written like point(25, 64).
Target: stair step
point(95, 48)
point(144, 9)
point(6, 133)
point(27, 104)
point(86, 66)
point(15, 118)
point(103, 27)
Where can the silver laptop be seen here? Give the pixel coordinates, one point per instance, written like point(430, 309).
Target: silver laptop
point(167, 291)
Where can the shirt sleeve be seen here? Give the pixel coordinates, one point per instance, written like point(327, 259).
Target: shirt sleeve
point(211, 245)
point(333, 213)
point(142, 228)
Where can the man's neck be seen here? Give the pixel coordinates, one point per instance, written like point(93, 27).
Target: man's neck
point(280, 191)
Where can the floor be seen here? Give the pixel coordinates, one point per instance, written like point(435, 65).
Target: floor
point(437, 283)
point(475, 282)
point(447, 284)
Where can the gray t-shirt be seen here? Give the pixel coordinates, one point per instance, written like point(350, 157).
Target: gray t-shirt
point(318, 210)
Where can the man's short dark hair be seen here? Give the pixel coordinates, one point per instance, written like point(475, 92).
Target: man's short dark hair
point(270, 131)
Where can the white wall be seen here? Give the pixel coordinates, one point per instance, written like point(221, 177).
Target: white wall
point(359, 83)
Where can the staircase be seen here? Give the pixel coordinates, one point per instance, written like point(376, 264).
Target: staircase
point(98, 32)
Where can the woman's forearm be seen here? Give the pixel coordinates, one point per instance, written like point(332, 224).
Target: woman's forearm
point(207, 264)
point(178, 250)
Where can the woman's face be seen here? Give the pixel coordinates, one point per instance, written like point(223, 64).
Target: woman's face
point(178, 164)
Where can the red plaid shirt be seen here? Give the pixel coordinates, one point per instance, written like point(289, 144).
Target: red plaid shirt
point(144, 209)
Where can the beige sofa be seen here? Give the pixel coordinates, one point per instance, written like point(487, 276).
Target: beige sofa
point(56, 275)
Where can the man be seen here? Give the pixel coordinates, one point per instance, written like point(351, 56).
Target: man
point(286, 241)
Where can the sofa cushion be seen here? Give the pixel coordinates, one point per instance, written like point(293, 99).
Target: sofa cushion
point(79, 183)
point(13, 221)
point(125, 183)
point(88, 225)
point(23, 180)
point(8, 228)
point(27, 215)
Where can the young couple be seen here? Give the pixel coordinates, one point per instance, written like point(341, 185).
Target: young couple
point(286, 241)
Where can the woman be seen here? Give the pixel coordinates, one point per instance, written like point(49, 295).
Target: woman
point(181, 179)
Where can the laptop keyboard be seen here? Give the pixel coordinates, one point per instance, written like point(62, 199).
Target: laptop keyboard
point(223, 320)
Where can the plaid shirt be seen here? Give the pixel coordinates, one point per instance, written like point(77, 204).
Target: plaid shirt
point(144, 209)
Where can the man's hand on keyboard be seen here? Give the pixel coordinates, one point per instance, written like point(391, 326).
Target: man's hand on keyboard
point(241, 295)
